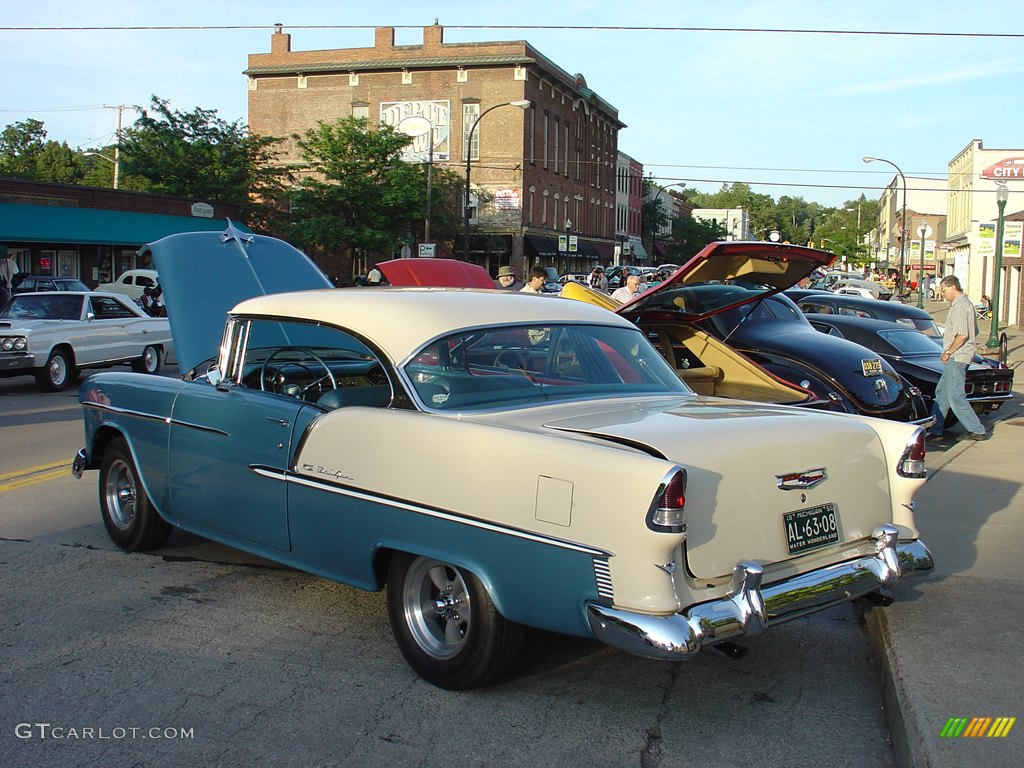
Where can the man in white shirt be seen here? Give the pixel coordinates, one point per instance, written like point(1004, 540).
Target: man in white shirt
point(535, 281)
point(630, 290)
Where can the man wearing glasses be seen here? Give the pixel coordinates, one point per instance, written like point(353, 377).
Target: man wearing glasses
point(958, 348)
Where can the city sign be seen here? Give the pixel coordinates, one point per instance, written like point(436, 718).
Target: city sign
point(1008, 168)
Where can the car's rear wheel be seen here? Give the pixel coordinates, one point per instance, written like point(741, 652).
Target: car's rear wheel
point(57, 373)
point(149, 362)
point(446, 624)
point(127, 511)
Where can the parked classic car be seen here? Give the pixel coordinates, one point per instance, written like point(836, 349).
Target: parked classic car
point(730, 290)
point(917, 358)
point(354, 434)
point(54, 335)
point(907, 315)
point(131, 283)
point(36, 283)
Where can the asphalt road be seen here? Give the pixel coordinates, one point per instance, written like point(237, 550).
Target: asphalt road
point(201, 655)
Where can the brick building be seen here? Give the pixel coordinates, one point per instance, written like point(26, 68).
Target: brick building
point(547, 169)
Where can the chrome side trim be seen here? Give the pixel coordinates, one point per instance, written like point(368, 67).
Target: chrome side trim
point(603, 577)
point(749, 608)
point(154, 417)
point(440, 514)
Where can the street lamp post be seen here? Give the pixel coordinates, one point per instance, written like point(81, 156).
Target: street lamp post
point(922, 232)
point(522, 104)
point(116, 160)
point(903, 218)
point(1002, 195)
point(657, 210)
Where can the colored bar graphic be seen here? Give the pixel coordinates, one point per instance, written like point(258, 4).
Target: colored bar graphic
point(977, 727)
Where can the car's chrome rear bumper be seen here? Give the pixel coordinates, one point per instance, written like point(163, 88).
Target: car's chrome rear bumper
point(749, 608)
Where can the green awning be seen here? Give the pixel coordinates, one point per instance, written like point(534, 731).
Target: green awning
point(93, 226)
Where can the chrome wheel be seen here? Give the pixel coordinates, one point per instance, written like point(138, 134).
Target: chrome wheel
point(119, 494)
point(437, 606)
point(150, 360)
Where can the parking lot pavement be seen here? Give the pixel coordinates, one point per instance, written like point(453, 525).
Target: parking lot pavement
point(947, 650)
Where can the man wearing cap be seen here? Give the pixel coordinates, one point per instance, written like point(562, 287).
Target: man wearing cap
point(507, 279)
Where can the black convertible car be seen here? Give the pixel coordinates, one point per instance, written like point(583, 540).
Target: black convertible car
point(918, 359)
point(731, 290)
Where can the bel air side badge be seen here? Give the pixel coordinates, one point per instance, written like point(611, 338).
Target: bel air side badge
point(801, 481)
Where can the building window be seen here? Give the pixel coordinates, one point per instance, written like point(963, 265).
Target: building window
point(558, 130)
point(533, 135)
point(565, 163)
point(544, 140)
point(470, 114)
point(361, 111)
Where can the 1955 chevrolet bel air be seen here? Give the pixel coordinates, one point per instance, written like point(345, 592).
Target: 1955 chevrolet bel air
point(356, 434)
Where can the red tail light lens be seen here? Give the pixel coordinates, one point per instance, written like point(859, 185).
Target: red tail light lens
point(667, 513)
point(912, 462)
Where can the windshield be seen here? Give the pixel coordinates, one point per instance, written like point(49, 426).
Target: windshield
point(532, 365)
point(43, 307)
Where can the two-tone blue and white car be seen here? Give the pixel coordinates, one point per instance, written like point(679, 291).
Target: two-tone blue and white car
point(356, 434)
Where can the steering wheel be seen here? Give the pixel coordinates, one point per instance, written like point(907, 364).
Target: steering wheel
point(518, 357)
point(316, 382)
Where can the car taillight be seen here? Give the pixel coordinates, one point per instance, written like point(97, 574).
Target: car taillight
point(912, 461)
point(667, 513)
point(1002, 387)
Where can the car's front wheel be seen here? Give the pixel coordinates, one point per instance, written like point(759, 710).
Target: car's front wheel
point(446, 624)
point(128, 514)
point(57, 373)
point(149, 362)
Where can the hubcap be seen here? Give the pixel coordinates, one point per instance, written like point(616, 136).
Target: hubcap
point(58, 370)
point(437, 607)
point(119, 493)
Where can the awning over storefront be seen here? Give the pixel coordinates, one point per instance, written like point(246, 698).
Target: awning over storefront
point(639, 252)
point(543, 246)
point(604, 252)
point(93, 226)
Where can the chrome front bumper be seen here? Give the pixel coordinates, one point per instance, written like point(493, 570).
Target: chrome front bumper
point(749, 608)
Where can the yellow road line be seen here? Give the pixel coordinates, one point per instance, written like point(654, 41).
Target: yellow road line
point(33, 475)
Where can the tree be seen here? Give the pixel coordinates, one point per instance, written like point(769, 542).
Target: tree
point(199, 155)
point(59, 163)
point(689, 236)
point(359, 192)
point(20, 146)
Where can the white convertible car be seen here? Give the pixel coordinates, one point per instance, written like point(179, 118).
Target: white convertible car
point(54, 335)
point(357, 434)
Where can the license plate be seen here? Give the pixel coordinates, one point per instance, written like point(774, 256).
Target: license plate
point(811, 528)
point(871, 367)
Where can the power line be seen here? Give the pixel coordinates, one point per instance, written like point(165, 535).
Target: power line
point(552, 27)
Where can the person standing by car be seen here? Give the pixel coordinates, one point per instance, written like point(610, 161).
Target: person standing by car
point(598, 280)
point(507, 279)
point(538, 276)
point(958, 347)
point(629, 291)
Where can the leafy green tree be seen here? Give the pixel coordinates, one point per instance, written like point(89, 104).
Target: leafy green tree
point(689, 236)
point(20, 146)
point(359, 193)
point(199, 155)
point(59, 163)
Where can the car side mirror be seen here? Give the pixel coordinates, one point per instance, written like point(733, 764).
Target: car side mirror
point(213, 375)
point(90, 316)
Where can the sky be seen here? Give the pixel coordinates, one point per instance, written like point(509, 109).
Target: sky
point(788, 113)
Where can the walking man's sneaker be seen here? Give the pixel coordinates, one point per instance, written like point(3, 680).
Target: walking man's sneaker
point(933, 437)
point(974, 436)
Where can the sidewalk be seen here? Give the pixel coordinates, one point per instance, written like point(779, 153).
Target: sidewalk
point(948, 647)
